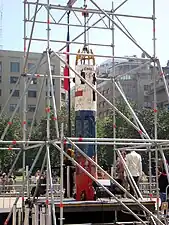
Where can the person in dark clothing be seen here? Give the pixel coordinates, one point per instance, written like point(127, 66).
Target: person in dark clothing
point(41, 190)
point(163, 183)
point(69, 163)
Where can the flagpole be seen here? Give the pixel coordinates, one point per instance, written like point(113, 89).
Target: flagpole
point(67, 83)
point(69, 97)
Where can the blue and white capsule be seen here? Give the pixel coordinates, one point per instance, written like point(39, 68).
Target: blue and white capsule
point(85, 100)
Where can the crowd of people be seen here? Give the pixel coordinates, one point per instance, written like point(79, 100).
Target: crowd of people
point(6, 183)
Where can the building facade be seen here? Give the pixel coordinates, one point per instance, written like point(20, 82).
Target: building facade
point(162, 99)
point(11, 67)
point(134, 82)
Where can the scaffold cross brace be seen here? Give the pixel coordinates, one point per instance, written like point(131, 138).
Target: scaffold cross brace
point(140, 131)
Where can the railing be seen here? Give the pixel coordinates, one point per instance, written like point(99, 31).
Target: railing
point(147, 187)
point(9, 193)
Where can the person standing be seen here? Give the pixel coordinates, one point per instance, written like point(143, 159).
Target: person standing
point(120, 169)
point(134, 164)
point(163, 181)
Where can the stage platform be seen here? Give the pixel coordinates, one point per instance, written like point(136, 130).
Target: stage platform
point(100, 211)
point(71, 205)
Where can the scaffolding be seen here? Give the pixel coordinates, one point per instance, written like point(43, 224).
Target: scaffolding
point(145, 143)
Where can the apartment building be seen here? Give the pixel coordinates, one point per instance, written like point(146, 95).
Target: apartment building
point(133, 82)
point(11, 67)
point(162, 99)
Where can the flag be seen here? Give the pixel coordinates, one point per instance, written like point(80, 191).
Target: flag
point(71, 2)
point(66, 69)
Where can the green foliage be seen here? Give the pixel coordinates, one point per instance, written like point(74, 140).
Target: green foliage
point(104, 129)
point(40, 133)
point(125, 130)
point(13, 133)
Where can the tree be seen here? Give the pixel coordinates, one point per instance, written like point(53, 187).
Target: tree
point(105, 129)
point(125, 130)
point(14, 133)
point(41, 133)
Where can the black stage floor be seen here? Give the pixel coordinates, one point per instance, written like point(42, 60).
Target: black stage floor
point(71, 205)
point(100, 211)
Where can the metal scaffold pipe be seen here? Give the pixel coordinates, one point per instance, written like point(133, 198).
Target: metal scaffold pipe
point(145, 144)
point(95, 11)
point(111, 178)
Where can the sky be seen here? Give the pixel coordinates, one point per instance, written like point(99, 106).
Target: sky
point(141, 30)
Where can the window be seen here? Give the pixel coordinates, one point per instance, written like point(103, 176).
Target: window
point(14, 67)
point(12, 107)
point(100, 114)
point(31, 67)
point(13, 80)
point(62, 70)
point(15, 93)
point(53, 80)
point(31, 108)
point(50, 94)
point(62, 83)
point(32, 94)
point(52, 69)
point(63, 96)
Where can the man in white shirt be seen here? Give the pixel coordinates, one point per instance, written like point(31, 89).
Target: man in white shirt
point(134, 164)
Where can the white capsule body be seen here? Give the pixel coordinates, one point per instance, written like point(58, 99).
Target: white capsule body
point(85, 97)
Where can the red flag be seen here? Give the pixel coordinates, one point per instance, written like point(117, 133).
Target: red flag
point(66, 69)
point(66, 80)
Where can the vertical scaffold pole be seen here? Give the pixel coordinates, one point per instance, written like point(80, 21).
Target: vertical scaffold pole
point(24, 115)
point(155, 101)
point(61, 174)
point(14, 215)
point(48, 108)
point(114, 91)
